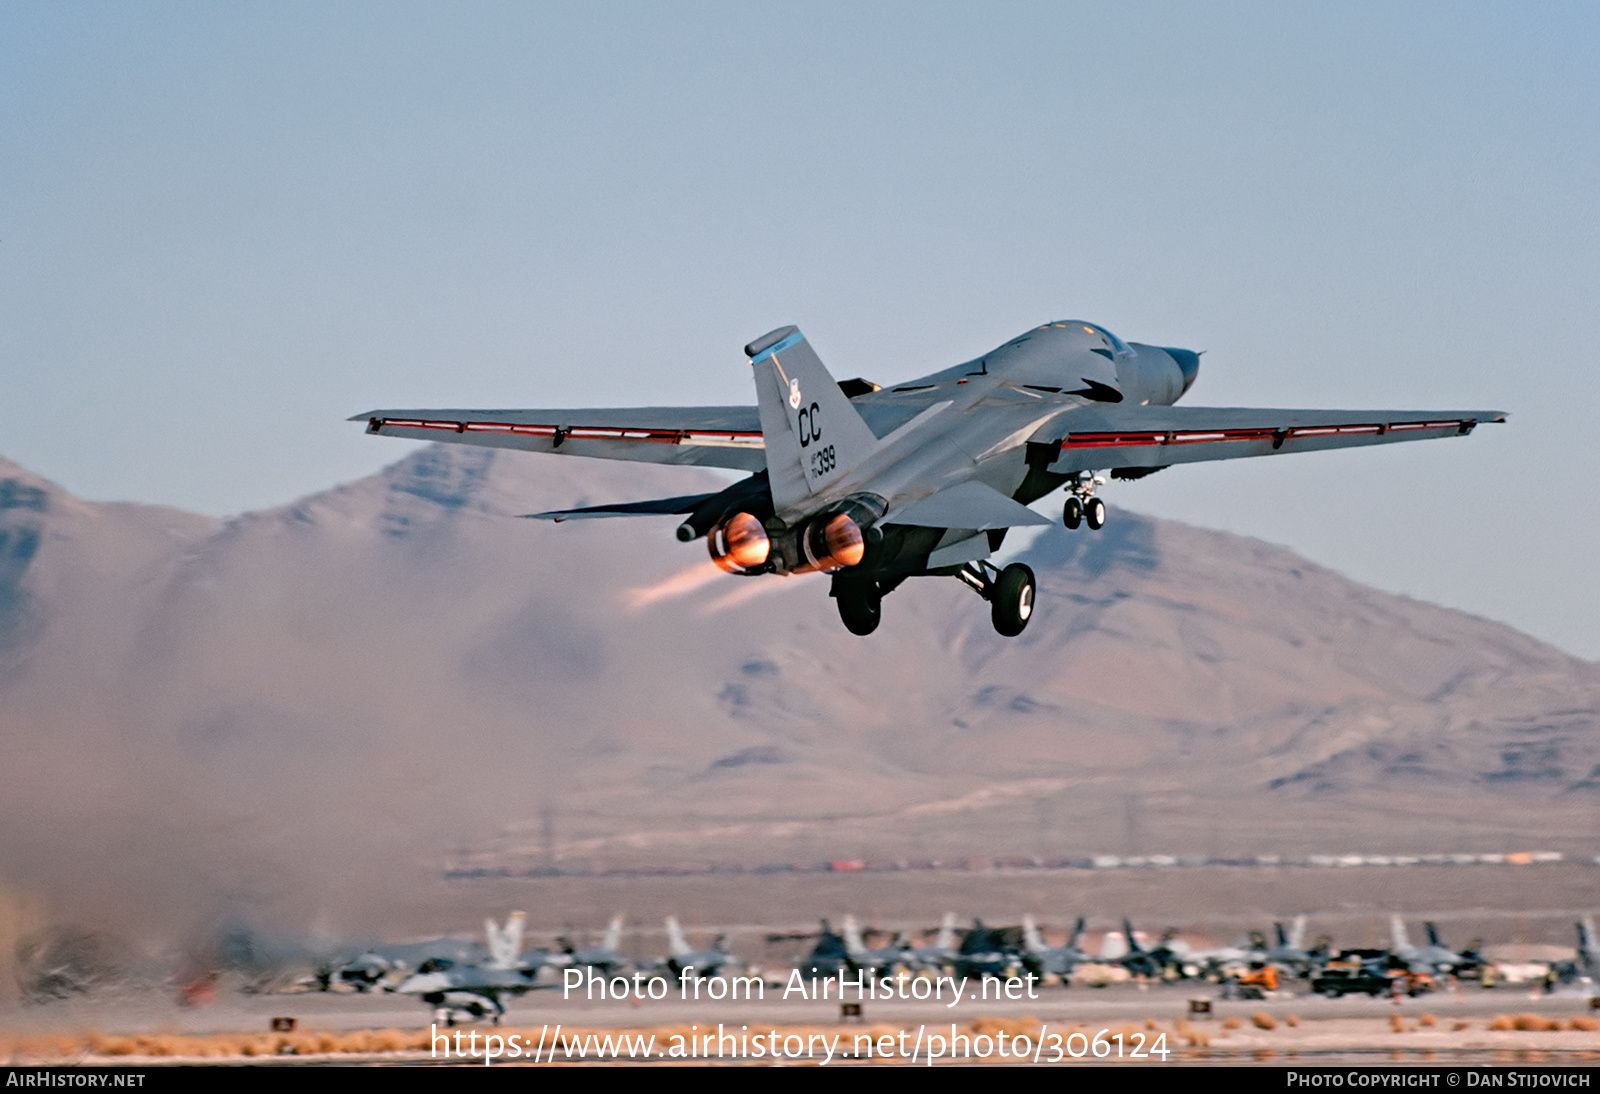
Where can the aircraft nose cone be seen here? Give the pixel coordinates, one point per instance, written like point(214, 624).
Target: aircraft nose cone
point(1188, 363)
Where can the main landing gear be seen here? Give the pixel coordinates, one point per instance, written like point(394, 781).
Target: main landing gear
point(1081, 504)
point(861, 610)
point(860, 600)
point(1010, 593)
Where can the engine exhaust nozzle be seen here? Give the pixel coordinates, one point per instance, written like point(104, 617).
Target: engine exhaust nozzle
point(739, 545)
point(831, 543)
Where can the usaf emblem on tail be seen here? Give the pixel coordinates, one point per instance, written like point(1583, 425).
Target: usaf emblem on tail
point(875, 485)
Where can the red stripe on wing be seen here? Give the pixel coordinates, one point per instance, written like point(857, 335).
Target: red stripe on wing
point(577, 432)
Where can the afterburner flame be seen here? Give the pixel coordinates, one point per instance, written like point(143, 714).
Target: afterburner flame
point(679, 584)
point(739, 544)
point(832, 545)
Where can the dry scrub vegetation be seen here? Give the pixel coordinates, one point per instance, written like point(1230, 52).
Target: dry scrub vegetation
point(1538, 1023)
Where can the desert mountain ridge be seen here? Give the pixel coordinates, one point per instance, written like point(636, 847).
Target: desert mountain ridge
point(321, 703)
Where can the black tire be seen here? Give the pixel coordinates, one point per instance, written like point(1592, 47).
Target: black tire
point(1072, 511)
point(861, 612)
point(1094, 511)
point(1011, 602)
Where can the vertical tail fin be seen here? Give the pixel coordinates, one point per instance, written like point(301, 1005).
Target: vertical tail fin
point(1433, 935)
point(677, 945)
point(854, 944)
point(812, 433)
point(1297, 933)
point(505, 943)
point(1032, 941)
point(613, 939)
point(1586, 939)
point(1133, 943)
point(1076, 941)
point(947, 932)
point(1283, 938)
point(1397, 932)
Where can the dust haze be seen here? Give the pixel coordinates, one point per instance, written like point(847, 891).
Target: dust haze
point(303, 717)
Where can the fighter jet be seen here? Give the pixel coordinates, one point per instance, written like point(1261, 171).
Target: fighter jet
point(984, 952)
point(1291, 955)
point(875, 485)
point(476, 990)
point(607, 958)
point(942, 954)
point(1585, 965)
point(379, 965)
point(681, 956)
point(1435, 958)
point(1588, 959)
point(1057, 961)
point(861, 957)
point(830, 955)
point(1140, 962)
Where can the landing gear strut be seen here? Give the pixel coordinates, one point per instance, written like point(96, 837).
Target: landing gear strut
point(1010, 593)
point(1081, 504)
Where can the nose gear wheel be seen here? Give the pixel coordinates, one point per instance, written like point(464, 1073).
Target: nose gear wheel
point(1081, 505)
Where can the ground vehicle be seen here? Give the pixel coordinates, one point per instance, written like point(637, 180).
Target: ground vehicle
point(1375, 972)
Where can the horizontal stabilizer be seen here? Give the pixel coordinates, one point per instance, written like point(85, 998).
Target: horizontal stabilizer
point(659, 507)
point(966, 505)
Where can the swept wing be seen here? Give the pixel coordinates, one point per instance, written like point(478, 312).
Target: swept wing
point(708, 436)
point(1094, 437)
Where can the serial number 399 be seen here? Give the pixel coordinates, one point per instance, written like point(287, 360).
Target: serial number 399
point(822, 461)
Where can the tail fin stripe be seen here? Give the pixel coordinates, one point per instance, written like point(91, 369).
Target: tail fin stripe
point(778, 348)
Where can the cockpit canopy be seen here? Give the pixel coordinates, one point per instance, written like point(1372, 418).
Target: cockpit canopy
point(1118, 346)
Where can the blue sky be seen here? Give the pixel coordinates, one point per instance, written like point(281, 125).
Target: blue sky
point(224, 228)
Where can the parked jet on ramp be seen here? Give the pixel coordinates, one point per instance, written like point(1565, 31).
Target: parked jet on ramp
point(1435, 958)
point(476, 990)
point(875, 485)
point(607, 958)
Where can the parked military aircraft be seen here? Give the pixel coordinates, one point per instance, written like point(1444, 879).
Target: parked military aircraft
point(476, 990)
point(984, 952)
point(830, 955)
point(1585, 965)
point(878, 961)
point(1142, 962)
point(681, 956)
point(875, 485)
point(1291, 955)
point(1588, 958)
point(1434, 958)
point(1043, 960)
point(606, 958)
point(942, 954)
point(374, 967)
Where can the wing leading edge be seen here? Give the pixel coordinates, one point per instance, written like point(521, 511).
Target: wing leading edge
point(1158, 436)
point(711, 436)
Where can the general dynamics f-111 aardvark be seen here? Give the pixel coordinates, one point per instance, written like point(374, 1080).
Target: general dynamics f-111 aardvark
point(875, 485)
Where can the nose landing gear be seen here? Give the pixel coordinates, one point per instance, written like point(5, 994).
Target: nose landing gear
point(1081, 505)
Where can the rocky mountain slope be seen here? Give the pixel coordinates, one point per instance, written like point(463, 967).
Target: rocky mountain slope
point(319, 705)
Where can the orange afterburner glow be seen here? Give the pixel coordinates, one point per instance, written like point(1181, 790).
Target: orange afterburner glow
point(739, 544)
point(832, 545)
